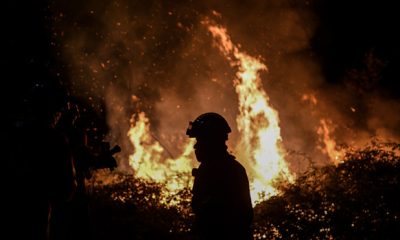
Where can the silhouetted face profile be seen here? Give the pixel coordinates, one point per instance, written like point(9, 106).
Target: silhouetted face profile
point(200, 149)
point(207, 148)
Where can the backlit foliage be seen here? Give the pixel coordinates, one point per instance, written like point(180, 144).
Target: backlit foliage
point(357, 199)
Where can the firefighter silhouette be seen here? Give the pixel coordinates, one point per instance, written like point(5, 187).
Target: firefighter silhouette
point(74, 220)
point(39, 166)
point(71, 220)
point(221, 197)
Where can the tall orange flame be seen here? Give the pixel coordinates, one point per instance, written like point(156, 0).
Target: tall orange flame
point(257, 122)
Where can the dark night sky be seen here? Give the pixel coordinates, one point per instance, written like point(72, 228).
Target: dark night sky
point(350, 29)
point(28, 55)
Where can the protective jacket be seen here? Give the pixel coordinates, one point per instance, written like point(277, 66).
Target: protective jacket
point(221, 199)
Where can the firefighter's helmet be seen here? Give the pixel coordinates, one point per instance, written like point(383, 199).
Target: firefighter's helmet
point(209, 124)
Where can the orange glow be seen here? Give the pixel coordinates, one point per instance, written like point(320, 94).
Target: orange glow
point(309, 98)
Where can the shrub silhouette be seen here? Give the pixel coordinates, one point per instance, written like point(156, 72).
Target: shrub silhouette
point(131, 208)
point(358, 199)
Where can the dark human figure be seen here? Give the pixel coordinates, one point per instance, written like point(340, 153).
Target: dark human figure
point(38, 176)
point(221, 197)
point(39, 167)
point(70, 219)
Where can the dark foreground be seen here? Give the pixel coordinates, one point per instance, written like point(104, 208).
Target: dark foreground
point(358, 199)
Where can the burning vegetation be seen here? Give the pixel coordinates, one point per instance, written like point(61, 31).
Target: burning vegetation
point(356, 199)
point(147, 67)
point(351, 197)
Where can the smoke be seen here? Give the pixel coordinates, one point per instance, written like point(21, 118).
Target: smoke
point(157, 57)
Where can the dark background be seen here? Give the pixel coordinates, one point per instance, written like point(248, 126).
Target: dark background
point(350, 29)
